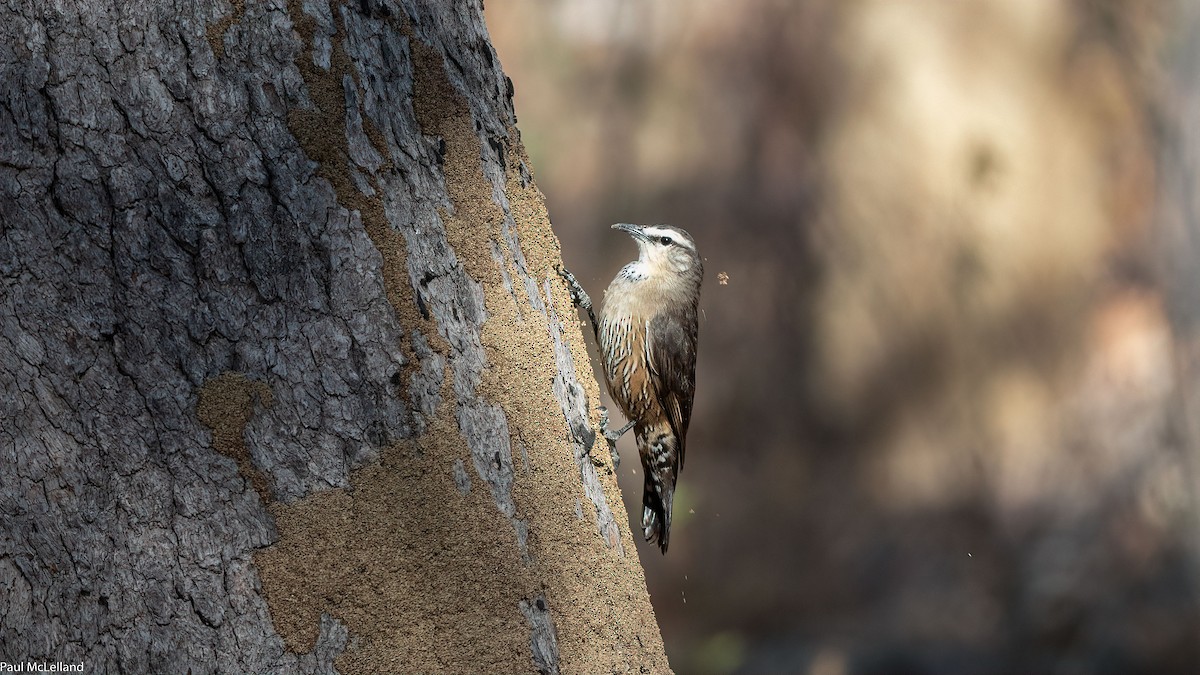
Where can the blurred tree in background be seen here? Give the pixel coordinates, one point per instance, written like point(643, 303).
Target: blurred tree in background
point(942, 422)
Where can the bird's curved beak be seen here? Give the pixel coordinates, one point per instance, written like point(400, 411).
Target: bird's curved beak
point(634, 231)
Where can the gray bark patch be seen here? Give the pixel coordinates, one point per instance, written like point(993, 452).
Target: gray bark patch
point(485, 429)
point(461, 480)
point(583, 437)
point(542, 638)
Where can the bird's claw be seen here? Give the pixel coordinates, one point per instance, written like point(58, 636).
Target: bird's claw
point(579, 297)
point(610, 436)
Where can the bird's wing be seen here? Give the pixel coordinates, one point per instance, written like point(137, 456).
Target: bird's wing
point(671, 355)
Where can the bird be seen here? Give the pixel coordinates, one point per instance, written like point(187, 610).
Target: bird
point(647, 335)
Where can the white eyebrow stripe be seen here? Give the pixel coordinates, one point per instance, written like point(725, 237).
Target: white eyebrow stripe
point(655, 232)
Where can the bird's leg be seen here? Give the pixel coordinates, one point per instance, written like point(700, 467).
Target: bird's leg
point(612, 436)
point(580, 297)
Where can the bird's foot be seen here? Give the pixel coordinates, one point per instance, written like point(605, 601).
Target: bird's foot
point(608, 436)
point(612, 436)
point(579, 297)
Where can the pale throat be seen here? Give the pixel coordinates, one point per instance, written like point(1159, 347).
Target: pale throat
point(657, 266)
point(637, 270)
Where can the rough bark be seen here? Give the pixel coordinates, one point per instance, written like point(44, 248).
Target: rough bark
point(289, 383)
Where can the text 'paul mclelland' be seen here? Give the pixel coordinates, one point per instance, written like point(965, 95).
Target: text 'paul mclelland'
point(40, 667)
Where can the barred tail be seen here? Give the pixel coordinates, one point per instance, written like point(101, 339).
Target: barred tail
point(659, 460)
point(656, 515)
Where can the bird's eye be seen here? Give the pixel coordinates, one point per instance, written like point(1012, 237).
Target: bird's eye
point(666, 241)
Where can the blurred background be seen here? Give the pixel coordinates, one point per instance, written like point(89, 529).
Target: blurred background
point(943, 419)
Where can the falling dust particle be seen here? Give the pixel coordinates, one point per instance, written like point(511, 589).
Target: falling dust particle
point(691, 510)
point(683, 596)
point(722, 278)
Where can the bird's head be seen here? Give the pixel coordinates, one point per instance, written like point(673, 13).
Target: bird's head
point(663, 249)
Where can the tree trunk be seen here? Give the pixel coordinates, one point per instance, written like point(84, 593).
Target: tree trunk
point(289, 382)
